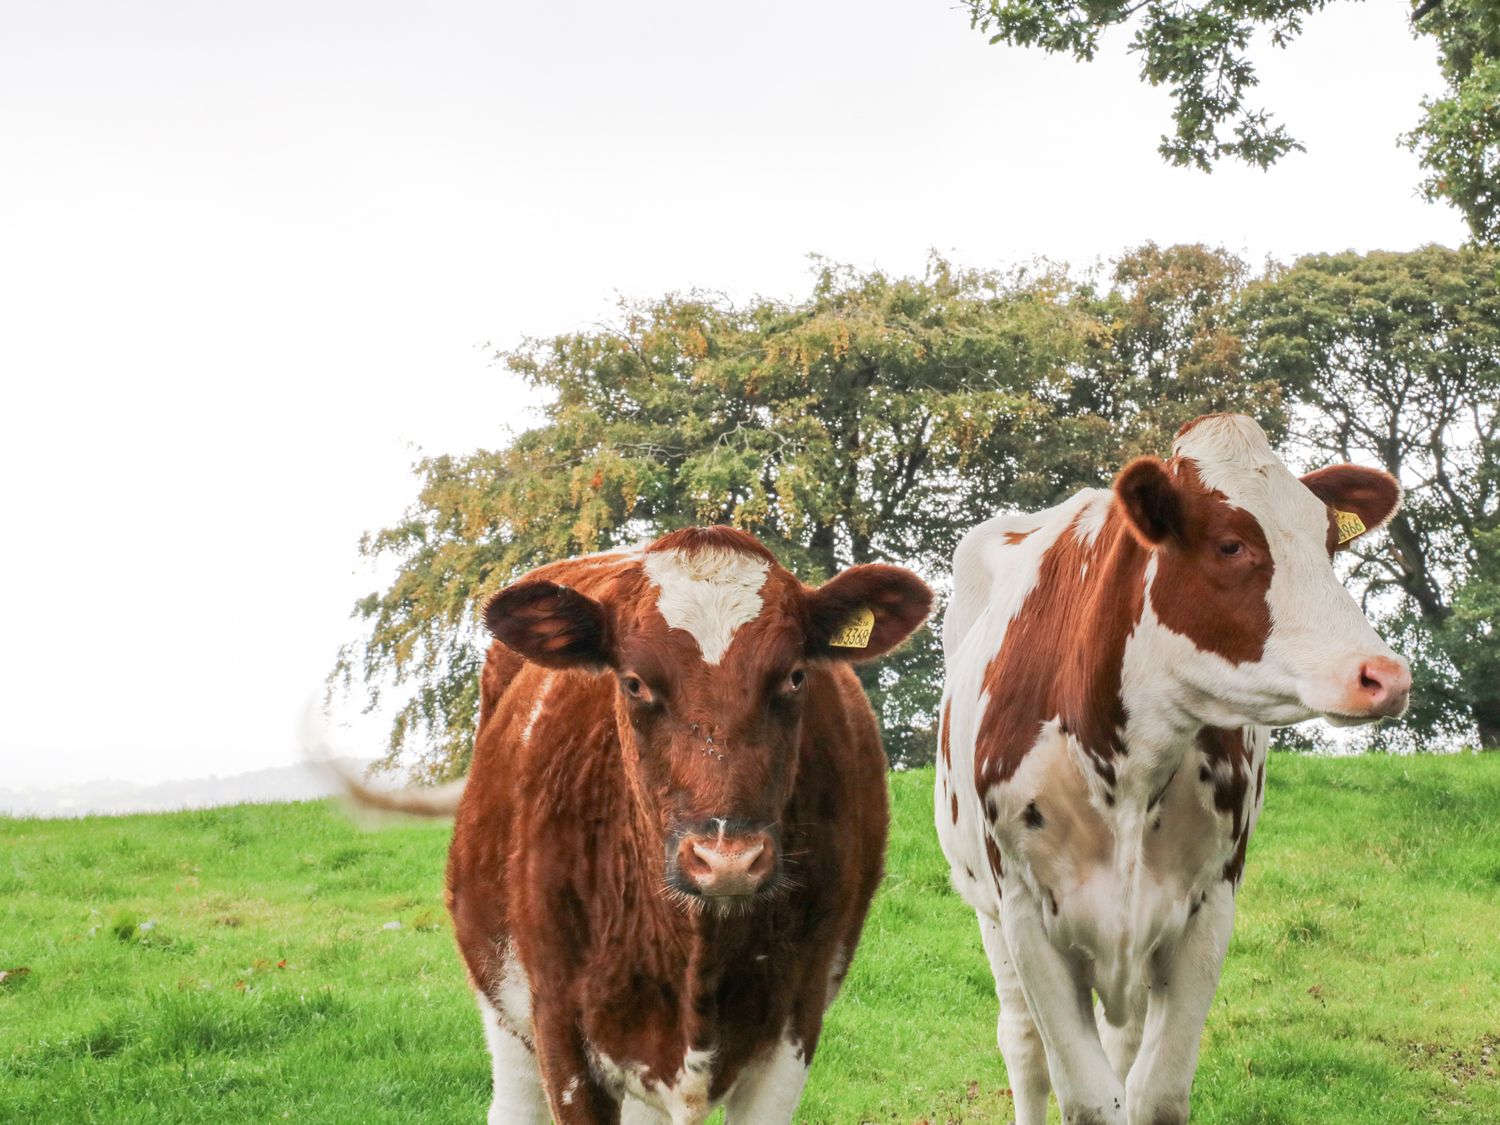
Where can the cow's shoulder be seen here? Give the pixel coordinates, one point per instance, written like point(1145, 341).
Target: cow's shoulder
point(548, 745)
point(1001, 558)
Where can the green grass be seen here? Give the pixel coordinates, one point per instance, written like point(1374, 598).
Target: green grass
point(1363, 984)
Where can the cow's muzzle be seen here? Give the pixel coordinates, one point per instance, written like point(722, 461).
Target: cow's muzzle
point(723, 859)
point(1362, 689)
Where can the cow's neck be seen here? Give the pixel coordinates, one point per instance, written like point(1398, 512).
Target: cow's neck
point(1123, 711)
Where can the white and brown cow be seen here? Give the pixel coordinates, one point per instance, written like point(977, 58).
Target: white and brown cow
point(1114, 664)
point(673, 824)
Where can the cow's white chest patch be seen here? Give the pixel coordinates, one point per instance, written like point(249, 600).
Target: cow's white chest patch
point(707, 593)
point(684, 1098)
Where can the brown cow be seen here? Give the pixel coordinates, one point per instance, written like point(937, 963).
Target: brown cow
point(672, 828)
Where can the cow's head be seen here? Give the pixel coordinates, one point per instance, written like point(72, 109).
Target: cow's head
point(1251, 621)
point(717, 652)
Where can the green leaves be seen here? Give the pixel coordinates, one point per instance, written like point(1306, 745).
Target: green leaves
point(1458, 141)
point(1199, 49)
point(880, 418)
point(875, 421)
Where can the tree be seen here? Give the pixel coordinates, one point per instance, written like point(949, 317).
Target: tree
point(1167, 351)
point(849, 428)
point(1395, 360)
point(1200, 49)
point(1458, 139)
point(878, 420)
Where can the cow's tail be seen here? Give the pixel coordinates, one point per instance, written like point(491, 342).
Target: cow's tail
point(435, 801)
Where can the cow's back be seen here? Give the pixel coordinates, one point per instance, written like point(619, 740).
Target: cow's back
point(995, 568)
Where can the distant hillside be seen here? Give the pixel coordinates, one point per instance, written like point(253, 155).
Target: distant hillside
point(300, 782)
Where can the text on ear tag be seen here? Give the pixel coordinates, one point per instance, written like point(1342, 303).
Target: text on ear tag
point(855, 633)
point(1350, 525)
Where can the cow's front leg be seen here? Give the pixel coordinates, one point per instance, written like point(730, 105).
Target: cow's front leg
point(517, 1097)
point(1061, 1003)
point(768, 1090)
point(1183, 980)
point(574, 1094)
point(1121, 1044)
point(1021, 1044)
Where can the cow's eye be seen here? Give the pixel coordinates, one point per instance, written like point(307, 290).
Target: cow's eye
point(795, 681)
point(1231, 548)
point(636, 688)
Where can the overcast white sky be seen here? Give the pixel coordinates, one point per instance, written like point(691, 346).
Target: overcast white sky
point(251, 255)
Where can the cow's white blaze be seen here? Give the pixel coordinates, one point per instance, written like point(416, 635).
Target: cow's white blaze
point(1319, 636)
point(708, 593)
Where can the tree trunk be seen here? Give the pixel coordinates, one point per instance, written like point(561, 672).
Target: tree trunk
point(1487, 719)
point(1416, 579)
point(821, 547)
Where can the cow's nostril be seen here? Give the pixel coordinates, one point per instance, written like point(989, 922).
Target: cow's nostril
point(699, 861)
point(726, 865)
point(762, 864)
point(1384, 685)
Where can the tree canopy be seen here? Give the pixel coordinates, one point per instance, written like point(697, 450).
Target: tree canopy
point(1201, 50)
point(880, 417)
point(876, 420)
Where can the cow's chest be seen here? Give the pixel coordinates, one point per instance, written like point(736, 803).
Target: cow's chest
point(1116, 870)
point(674, 1032)
point(684, 1095)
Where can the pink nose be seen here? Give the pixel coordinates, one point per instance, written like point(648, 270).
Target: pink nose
point(719, 865)
point(1384, 686)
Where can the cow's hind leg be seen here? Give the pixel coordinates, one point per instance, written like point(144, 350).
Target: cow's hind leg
point(1020, 1042)
point(518, 1096)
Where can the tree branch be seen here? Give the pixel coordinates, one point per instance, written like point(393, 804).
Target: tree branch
point(1424, 7)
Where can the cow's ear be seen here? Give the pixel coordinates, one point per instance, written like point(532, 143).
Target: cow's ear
point(1150, 500)
point(550, 624)
point(1369, 496)
point(865, 612)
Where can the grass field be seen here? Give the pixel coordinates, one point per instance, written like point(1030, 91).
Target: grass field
point(234, 965)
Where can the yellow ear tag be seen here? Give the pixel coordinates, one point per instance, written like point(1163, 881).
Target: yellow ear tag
point(1350, 525)
point(856, 631)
